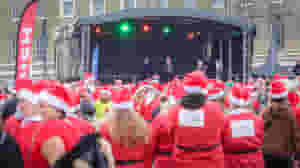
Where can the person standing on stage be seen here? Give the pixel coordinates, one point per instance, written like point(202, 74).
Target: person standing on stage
point(147, 72)
point(201, 66)
point(168, 69)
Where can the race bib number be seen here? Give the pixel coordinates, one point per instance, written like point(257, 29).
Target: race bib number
point(242, 128)
point(191, 118)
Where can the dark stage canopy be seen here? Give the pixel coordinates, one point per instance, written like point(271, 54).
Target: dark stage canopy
point(227, 35)
point(183, 15)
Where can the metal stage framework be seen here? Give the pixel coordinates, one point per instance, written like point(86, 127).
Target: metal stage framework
point(232, 36)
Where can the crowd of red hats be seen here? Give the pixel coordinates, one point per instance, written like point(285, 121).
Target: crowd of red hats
point(221, 97)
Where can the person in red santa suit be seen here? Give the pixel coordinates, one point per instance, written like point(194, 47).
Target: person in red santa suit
point(32, 120)
point(128, 134)
point(244, 132)
point(162, 141)
point(197, 125)
point(57, 135)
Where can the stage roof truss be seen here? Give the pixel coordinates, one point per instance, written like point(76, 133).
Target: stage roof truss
point(173, 15)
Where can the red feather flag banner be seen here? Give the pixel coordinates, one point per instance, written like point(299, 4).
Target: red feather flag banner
point(25, 40)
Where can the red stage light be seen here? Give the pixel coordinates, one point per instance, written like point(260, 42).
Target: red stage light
point(190, 35)
point(146, 28)
point(98, 29)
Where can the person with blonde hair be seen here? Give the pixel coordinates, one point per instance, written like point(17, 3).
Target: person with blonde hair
point(128, 133)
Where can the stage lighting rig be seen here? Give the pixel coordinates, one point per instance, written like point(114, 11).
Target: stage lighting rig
point(191, 35)
point(146, 28)
point(125, 27)
point(167, 29)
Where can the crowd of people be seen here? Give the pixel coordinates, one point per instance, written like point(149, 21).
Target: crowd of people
point(184, 123)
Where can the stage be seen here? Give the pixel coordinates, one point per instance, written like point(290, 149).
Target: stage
point(225, 39)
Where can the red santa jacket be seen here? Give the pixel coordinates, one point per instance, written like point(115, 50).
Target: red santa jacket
point(297, 112)
point(84, 126)
point(243, 139)
point(243, 131)
point(28, 131)
point(55, 128)
point(148, 113)
point(162, 142)
point(12, 125)
point(197, 136)
point(137, 157)
point(256, 105)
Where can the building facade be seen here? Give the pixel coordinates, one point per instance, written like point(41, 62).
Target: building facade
point(62, 13)
point(277, 21)
point(60, 16)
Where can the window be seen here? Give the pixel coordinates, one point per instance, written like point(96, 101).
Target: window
point(278, 34)
point(218, 4)
point(68, 8)
point(36, 49)
point(128, 4)
point(190, 4)
point(277, 2)
point(164, 3)
point(282, 36)
point(13, 12)
point(12, 51)
point(97, 7)
point(247, 3)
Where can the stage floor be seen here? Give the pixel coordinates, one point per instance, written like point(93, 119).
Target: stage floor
point(127, 56)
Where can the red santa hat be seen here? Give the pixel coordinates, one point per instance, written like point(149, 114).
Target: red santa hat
point(240, 96)
point(278, 90)
point(105, 92)
point(24, 89)
point(75, 102)
point(3, 98)
point(58, 97)
point(195, 82)
point(122, 100)
point(216, 91)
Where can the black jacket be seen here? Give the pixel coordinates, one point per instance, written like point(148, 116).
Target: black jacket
point(88, 150)
point(296, 69)
point(10, 154)
point(9, 108)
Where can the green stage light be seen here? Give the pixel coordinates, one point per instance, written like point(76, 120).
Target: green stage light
point(125, 27)
point(167, 29)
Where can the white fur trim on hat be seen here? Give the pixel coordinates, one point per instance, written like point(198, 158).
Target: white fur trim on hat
point(123, 105)
point(75, 109)
point(54, 101)
point(105, 92)
point(238, 102)
point(27, 95)
point(216, 96)
point(195, 89)
point(254, 94)
point(279, 96)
